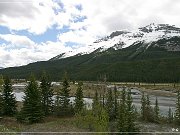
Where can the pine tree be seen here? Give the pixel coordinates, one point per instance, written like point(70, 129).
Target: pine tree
point(156, 111)
point(177, 111)
point(1, 82)
point(95, 104)
point(110, 105)
point(47, 94)
point(149, 110)
point(170, 116)
point(100, 115)
point(62, 101)
point(32, 111)
point(79, 98)
point(8, 98)
point(130, 114)
point(102, 120)
point(143, 107)
point(103, 99)
point(126, 115)
point(121, 119)
point(115, 103)
point(1, 105)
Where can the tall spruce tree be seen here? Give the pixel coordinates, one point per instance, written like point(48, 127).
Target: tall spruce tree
point(130, 114)
point(95, 104)
point(1, 82)
point(126, 115)
point(177, 111)
point(143, 107)
point(99, 115)
point(149, 110)
point(8, 98)
point(102, 120)
point(79, 98)
point(1, 105)
point(110, 105)
point(156, 111)
point(122, 114)
point(63, 107)
point(47, 94)
point(170, 116)
point(32, 111)
point(115, 102)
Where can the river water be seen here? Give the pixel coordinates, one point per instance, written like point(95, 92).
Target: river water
point(164, 102)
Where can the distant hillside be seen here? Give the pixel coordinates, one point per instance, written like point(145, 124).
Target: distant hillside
point(118, 40)
point(155, 63)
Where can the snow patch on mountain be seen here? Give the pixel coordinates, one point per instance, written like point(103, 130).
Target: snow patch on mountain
point(123, 39)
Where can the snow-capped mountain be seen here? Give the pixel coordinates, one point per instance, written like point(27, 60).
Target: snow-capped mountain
point(147, 35)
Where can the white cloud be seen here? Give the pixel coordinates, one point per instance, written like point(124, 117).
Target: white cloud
point(27, 15)
point(79, 36)
point(26, 51)
point(101, 18)
point(18, 41)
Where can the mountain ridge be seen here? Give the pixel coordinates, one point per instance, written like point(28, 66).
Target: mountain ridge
point(123, 39)
point(149, 60)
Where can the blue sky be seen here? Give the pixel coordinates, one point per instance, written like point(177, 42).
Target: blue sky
point(37, 30)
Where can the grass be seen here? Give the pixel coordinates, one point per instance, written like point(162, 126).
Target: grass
point(56, 124)
point(50, 124)
point(159, 89)
point(88, 89)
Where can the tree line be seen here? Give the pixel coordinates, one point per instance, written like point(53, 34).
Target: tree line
point(112, 112)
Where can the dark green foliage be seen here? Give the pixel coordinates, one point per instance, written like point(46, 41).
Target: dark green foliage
point(153, 65)
point(1, 105)
point(100, 115)
point(1, 82)
point(131, 117)
point(8, 98)
point(126, 114)
point(87, 120)
point(32, 111)
point(177, 111)
point(147, 112)
point(102, 120)
point(62, 104)
point(96, 119)
point(170, 116)
point(95, 104)
point(122, 114)
point(79, 98)
point(110, 105)
point(143, 107)
point(156, 111)
point(47, 94)
point(115, 103)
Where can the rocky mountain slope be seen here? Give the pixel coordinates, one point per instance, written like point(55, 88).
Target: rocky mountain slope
point(150, 54)
point(147, 35)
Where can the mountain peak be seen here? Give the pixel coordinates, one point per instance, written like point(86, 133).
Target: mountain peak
point(160, 27)
point(122, 39)
point(117, 33)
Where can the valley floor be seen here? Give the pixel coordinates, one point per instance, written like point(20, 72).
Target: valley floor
point(55, 125)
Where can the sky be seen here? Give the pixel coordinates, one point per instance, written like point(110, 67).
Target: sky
point(37, 30)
